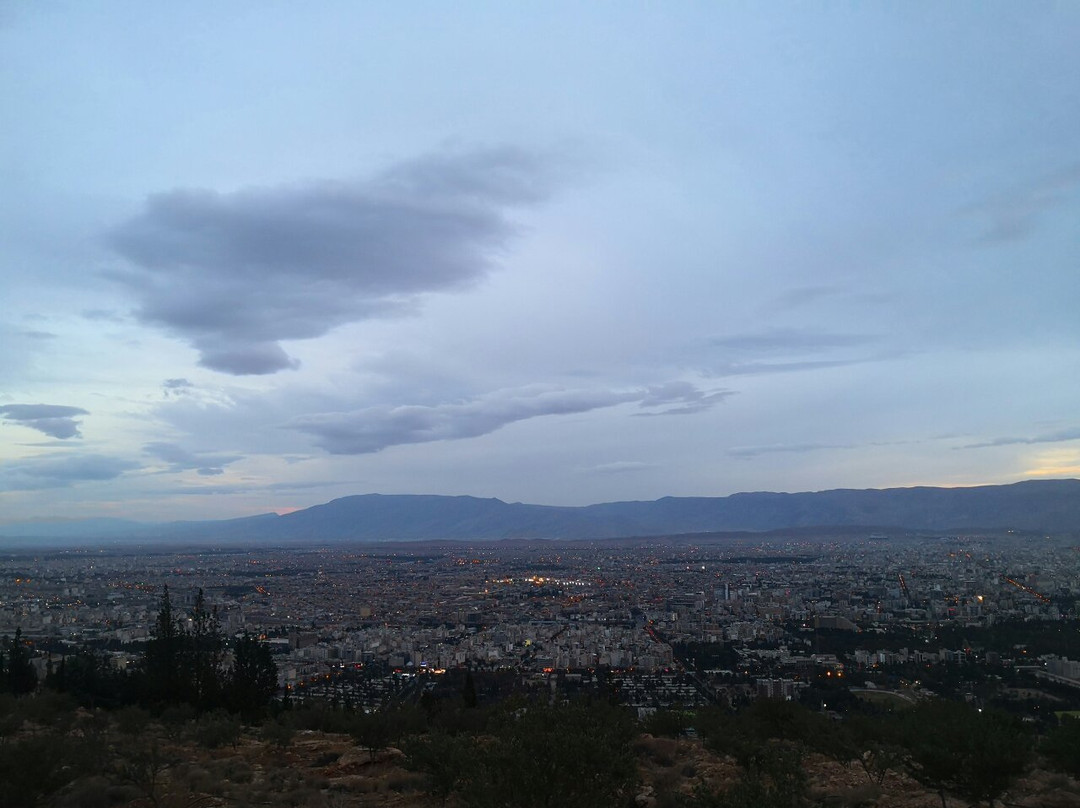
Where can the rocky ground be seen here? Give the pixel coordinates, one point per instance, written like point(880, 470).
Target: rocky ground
point(325, 770)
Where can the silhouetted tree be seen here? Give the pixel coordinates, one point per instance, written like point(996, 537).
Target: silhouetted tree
point(252, 682)
point(1061, 747)
point(443, 759)
point(372, 731)
point(18, 672)
point(91, 679)
point(163, 677)
point(468, 690)
point(954, 749)
point(203, 648)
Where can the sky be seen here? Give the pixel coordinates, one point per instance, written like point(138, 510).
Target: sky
point(258, 255)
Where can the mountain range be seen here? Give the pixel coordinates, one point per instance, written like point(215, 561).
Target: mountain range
point(1049, 506)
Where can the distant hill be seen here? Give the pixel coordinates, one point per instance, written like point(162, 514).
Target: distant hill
point(1051, 506)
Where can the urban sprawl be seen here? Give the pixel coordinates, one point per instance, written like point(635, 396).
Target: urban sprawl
point(659, 623)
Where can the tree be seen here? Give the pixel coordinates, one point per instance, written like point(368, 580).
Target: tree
point(143, 766)
point(252, 682)
point(372, 731)
point(18, 672)
point(443, 759)
point(544, 756)
point(204, 648)
point(468, 690)
point(163, 660)
point(772, 776)
point(33, 767)
point(279, 732)
point(184, 665)
point(91, 679)
point(876, 744)
point(973, 754)
point(1061, 747)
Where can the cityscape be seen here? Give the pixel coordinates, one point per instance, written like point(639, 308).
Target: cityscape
point(728, 618)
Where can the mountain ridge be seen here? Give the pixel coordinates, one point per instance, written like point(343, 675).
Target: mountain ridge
point(1051, 506)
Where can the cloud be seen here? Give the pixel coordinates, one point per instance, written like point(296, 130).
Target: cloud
point(791, 350)
point(54, 420)
point(800, 448)
point(176, 387)
point(804, 295)
point(791, 339)
point(373, 429)
point(60, 470)
point(180, 459)
point(619, 467)
point(1012, 216)
point(235, 273)
point(1049, 437)
point(763, 368)
point(795, 448)
point(689, 398)
point(247, 488)
point(102, 315)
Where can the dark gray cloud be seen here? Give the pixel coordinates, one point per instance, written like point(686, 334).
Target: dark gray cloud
point(180, 459)
point(235, 273)
point(54, 420)
point(60, 471)
point(1059, 436)
point(373, 429)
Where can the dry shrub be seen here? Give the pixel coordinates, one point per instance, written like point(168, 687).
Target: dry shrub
point(661, 751)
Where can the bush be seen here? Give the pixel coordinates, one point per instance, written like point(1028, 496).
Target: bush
point(218, 730)
point(1061, 747)
point(279, 732)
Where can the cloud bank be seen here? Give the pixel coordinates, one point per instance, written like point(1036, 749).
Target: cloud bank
point(373, 429)
point(1061, 436)
point(180, 459)
point(54, 420)
point(60, 471)
point(236, 273)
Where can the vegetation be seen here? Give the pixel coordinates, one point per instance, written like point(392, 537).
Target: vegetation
point(186, 726)
point(182, 666)
point(16, 673)
point(1061, 747)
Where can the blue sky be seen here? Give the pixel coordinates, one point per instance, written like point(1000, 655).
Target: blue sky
point(259, 255)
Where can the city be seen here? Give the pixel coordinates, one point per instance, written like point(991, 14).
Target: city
point(665, 623)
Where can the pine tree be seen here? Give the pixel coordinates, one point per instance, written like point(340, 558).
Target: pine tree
point(252, 682)
point(203, 649)
point(162, 664)
point(18, 672)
